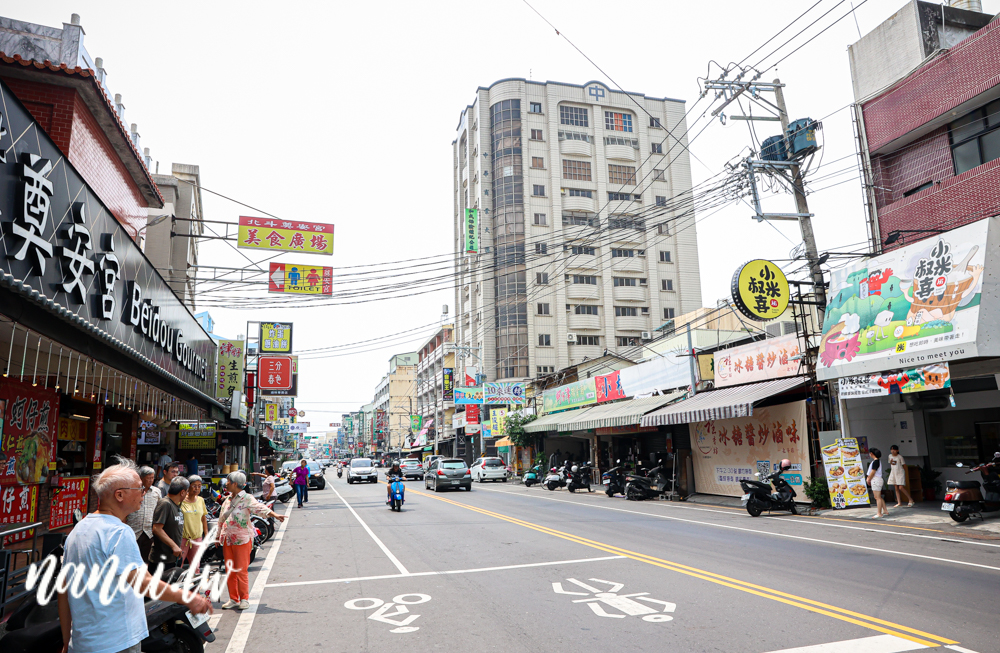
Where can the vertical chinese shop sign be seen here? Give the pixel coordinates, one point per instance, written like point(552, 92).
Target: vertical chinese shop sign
point(471, 231)
point(99, 436)
point(229, 372)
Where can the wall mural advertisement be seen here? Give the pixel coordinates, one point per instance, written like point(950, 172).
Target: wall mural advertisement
point(914, 305)
point(758, 361)
point(728, 450)
point(915, 379)
point(30, 429)
point(60, 239)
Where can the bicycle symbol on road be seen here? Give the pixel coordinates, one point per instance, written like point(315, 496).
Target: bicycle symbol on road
point(623, 603)
point(382, 613)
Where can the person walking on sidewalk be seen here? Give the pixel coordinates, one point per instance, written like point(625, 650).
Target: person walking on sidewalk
point(195, 519)
point(877, 483)
point(897, 476)
point(236, 537)
point(301, 482)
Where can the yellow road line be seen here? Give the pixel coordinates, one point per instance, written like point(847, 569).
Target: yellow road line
point(873, 623)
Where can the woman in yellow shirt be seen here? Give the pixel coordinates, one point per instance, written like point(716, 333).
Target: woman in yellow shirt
point(195, 519)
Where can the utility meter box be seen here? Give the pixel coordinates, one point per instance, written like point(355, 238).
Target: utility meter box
point(773, 149)
point(802, 138)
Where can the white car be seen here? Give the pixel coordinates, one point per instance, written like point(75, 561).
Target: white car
point(489, 469)
point(362, 469)
point(429, 459)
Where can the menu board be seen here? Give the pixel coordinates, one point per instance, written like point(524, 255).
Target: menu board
point(845, 474)
point(71, 494)
point(18, 505)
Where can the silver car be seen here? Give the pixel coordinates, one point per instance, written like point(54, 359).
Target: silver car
point(411, 468)
point(362, 469)
point(448, 474)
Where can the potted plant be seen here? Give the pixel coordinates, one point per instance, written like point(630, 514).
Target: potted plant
point(928, 480)
point(819, 492)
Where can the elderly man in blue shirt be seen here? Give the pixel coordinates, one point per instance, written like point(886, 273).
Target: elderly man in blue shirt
point(88, 625)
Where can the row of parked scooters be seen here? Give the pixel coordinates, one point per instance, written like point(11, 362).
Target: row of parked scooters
point(617, 480)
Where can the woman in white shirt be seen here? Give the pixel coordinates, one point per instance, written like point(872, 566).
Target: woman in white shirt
point(876, 482)
point(897, 476)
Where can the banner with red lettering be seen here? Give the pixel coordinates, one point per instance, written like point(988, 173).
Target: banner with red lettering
point(18, 505)
point(71, 494)
point(30, 426)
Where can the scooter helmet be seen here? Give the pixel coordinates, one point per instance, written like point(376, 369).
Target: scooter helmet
point(575, 468)
point(786, 463)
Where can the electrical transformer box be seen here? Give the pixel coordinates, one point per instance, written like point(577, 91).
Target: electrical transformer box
point(773, 149)
point(802, 138)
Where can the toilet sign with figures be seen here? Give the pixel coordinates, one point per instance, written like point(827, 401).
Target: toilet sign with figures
point(602, 599)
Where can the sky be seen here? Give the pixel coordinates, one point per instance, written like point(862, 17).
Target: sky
point(344, 113)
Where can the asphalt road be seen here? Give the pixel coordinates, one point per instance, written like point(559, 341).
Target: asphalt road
point(509, 568)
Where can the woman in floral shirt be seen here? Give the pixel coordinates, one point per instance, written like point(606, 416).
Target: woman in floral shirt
point(236, 536)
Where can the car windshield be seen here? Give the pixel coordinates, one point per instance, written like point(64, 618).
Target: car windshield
point(361, 462)
point(314, 466)
point(453, 464)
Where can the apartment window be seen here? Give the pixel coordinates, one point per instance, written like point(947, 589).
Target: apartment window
point(585, 279)
point(540, 219)
point(542, 278)
point(624, 197)
point(622, 253)
point(537, 162)
point(544, 340)
point(617, 122)
point(579, 218)
point(578, 170)
point(661, 200)
point(655, 122)
point(975, 138)
point(585, 309)
point(667, 284)
point(659, 175)
point(624, 281)
point(536, 135)
point(542, 309)
point(576, 116)
point(574, 136)
point(656, 148)
point(538, 190)
point(645, 310)
point(621, 175)
point(665, 257)
point(546, 369)
point(534, 107)
point(578, 192)
point(626, 222)
point(668, 314)
point(626, 311)
point(625, 341)
point(575, 249)
point(914, 191)
point(541, 248)
point(593, 341)
point(621, 140)
point(663, 228)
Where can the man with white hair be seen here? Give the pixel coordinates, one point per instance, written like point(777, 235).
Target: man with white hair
point(141, 520)
point(88, 625)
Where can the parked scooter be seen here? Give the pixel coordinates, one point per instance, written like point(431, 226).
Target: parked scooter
point(579, 477)
point(614, 480)
point(759, 497)
point(534, 475)
point(397, 493)
point(650, 486)
point(556, 478)
point(965, 498)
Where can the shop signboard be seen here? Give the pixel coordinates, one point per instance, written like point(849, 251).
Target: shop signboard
point(229, 369)
point(299, 279)
point(772, 358)
point(72, 430)
point(760, 290)
point(571, 395)
point(503, 393)
point(271, 413)
point(915, 379)
point(447, 383)
point(196, 435)
point(498, 421)
point(285, 235)
point(609, 387)
point(70, 495)
point(667, 371)
point(19, 505)
point(298, 428)
point(471, 231)
point(472, 414)
point(275, 373)
point(845, 474)
point(728, 450)
point(467, 395)
point(30, 429)
point(275, 338)
point(57, 237)
point(912, 306)
point(706, 367)
point(149, 434)
point(290, 392)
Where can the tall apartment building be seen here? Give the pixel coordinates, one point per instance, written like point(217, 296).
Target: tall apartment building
point(396, 395)
point(584, 244)
point(433, 357)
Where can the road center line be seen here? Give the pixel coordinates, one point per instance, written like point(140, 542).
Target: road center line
point(785, 535)
point(241, 633)
point(382, 546)
point(446, 573)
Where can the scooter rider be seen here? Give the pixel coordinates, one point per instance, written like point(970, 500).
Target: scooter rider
point(394, 472)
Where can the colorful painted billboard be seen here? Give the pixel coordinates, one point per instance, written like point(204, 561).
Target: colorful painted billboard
point(472, 395)
point(503, 393)
point(285, 235)
point(915, 379)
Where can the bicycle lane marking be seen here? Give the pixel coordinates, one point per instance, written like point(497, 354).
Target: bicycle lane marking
point(865, 621)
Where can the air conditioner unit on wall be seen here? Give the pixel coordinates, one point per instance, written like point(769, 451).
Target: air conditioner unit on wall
point(646, 335)
point(571, 337)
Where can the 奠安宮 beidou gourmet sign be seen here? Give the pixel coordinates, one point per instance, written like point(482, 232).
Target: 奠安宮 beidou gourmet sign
point(60, 239)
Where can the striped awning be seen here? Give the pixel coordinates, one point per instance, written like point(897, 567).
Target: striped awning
point(548, 422)
point(620, 413)
point(726, 403)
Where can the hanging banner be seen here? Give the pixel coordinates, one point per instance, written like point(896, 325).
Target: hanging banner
point(571, 395)
point(275, 338)
point(498, 421)
point(728, 450)
point(758, 361)
point(229, 370)
point(29, 430)
point(760, 290)
point(71, 494)
point(471, 231)
point(914, 305)
point(19, 505)
point(98, 436)
point(447, 383)
point(472, 412)
point(845, 474)
point(299, 279)
point(465, 396)
point(416, 422)
point(503, 393)
point(281, 235)
point(916, 379)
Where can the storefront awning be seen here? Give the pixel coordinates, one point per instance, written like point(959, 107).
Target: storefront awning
point(503, 442)
point(621, 413)
point(727, 403)
point(546, 422)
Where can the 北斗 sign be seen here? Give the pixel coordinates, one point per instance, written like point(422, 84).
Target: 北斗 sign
point(275, 338)
point(229, 369)
point(916, 379)
point(471, 231)
point(757, 361)
point(503, 393)
point(845, 474)
point(300, 279)
point(284, 235)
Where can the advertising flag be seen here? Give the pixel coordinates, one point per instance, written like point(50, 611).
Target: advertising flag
point(285, 235)
point(300, 279)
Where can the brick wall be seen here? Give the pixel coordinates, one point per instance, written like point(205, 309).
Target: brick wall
point(50, 106)
point(927, 160)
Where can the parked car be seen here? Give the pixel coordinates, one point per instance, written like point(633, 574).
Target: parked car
point(411, 468)
point(447, 474)
point(316, 479)
point(489, 469)
point(362, 469)
point(429, 459)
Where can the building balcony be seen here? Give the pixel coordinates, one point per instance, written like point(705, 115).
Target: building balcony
point(578, 352)
point(581, 148)
point(620, 152)
point(573, 203)
point(629, 293)
point(582, 262)
point(627, 237)
point(583, 291)
point(629, 323)
point(583, 322)
point(628, 264)
point(579, 232)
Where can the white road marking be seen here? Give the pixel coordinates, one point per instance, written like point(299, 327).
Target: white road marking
point(214, 620)
point(385, 549)
point(445, 573)
point(382, 613)
point(772, 534)
point(241, 634)
point(621, 602)
point(876, 644)
point(956, 647)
